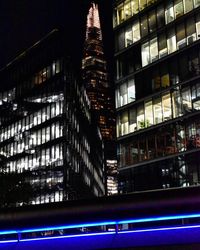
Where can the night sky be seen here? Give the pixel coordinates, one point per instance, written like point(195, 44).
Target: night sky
point(23, 22)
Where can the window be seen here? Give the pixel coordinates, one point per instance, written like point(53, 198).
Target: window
point(142, 4)
point(154, 49)
point(124, 123)
point(194, 66)
point(156, 80)
point(160, 16)
point(178, 8)
point(144, 26)
point(181, 36)
point(123, 94)
point(162, 45)
point(132, 120)
point(169, 13)
point(134, 6)
point(149, 113)
point(186, 99)
point(167, 109)
point(136, 31)
point(157, 108)
point(198, 26)
point(176, 102)
point(140, 117)
point(196, 3)
point(171, 41)
point(152, 21)
point(120, 14)
point(145, 54)
point(121, 40)
point(188, 5)
point(128, 36)
point(131, 90)
point(127, 9)
point(190, 30)
point(165, 82)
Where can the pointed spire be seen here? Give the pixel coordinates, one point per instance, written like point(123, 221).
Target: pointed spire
point(93, 20)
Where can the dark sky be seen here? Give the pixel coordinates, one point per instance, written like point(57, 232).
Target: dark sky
point(23, 22)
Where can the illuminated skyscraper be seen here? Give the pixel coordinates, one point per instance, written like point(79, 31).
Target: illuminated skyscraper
point(96, 81)
point(157, 57)
point(49, 149)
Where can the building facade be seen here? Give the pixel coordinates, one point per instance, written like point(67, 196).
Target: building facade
point(49, 149)
point(98, 88)
point(157, 56)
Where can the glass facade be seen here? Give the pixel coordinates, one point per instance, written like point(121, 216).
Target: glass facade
point(158, 128)
point(46, 152)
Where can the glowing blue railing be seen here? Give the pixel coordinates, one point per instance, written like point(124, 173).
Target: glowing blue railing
point(129, 226)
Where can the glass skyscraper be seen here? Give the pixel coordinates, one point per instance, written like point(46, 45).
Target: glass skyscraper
point(49, 149)
point(157, 87)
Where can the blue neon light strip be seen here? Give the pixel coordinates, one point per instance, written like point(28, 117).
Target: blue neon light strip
point(161, 218)
point(107, 233)
point(68, 227)
point(159, 229)
point(8, 241)
point(105, 223)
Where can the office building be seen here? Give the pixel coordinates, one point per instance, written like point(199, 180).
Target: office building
point(99, 90)
point(157, 56)
point(49, 149)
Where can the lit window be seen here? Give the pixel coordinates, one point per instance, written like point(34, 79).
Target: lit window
point(120, 14)
point(198, 26)
point(127, 9)
point(154, 49)
point(169, 13)
point(196, 3)
point(128, 36)
point(136, 31)
point(178, 8)
point(188, 5)
point(171, 41)
point(131, 90)
point(145, 54)
point(134, 6)
point(167, 109)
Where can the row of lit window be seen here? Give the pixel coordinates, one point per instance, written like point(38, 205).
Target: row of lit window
point(165, 141)
point(37, 118)
point(158, 47)
point(52, 156)
point(129, 8)
point(160, 78)
point(56, 196)
point(27, 142)
point(168, 43)
point(165, 13)
point(141, 28)
point(47, 72)
point(159, 109)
